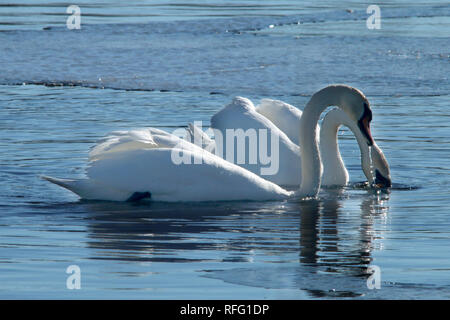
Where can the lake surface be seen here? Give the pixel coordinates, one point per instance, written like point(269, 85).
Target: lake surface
point(164, 64)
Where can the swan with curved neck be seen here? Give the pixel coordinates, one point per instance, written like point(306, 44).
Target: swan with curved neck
point(373, 162)
point(148, 170)
point(283, 121)
point(334, 170)
point(287, 118)
point(353, 103)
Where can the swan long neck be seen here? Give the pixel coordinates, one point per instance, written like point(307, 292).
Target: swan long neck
point(335, 172)
point(309, 147)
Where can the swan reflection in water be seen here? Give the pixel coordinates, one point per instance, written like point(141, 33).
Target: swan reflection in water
point(333, 239)
point(334, 242)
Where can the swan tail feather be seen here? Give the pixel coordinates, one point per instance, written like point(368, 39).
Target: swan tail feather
point(81, 187)
point(65, 183)
point(91, 190)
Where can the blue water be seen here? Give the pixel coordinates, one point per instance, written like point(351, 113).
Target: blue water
point(164, 64)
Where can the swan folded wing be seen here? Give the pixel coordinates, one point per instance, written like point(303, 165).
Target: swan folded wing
point(241, 114)
point(125, 141)
point(283, 115)
point(153, 171)
point(122, 141)
point(195, 134)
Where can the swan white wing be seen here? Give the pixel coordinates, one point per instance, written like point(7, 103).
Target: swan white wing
point(120, 141)
point(285, 116)
point(142, 139)
point(154, 171)
point(241, 114)
point(196, 136)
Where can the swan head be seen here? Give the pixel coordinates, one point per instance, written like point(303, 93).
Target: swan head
point(364, 123)
point(375, 166)
point(382, 175)
point(355, 103)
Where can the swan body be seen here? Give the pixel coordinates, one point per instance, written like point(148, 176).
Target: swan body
point(142, 161)
point(152, 171)
point(241, 114)
point(130, 163)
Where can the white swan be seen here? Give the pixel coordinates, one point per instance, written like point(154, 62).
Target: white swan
point(129, 169)
point(373, 162)
point(283, 121)
point(138, 164)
